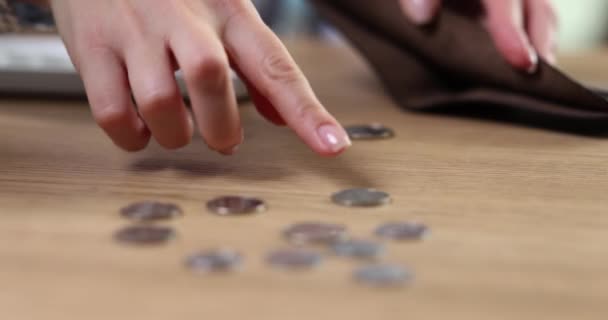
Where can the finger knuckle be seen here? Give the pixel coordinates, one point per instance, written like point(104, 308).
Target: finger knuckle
point(158, 101)
point(208, 72)
point(277, 67)
point(307, 109)
point(231, 8)
point(111, 116)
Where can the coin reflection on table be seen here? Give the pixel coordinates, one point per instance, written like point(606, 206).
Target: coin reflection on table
point(294, 259)
point(217, 260)
point(359, 249)
point(144, 235)
point(361, 197)
point(383, 275)
point(374, 131)
point(236, 205)
point(402, 231)
point(314, 233)
point(151, 211)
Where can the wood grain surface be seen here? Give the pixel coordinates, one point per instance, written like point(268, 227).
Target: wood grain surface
point(518, 215)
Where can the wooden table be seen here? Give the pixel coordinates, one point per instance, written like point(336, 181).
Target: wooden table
point(518, 215)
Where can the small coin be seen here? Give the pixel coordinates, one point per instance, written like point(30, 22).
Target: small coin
point(402, 231)
point(218, 260)
point(374, 131)
point(235, 205)
point(314, 233)
point(383, 275)
point(144, 235)
point(361, 197)
point(294, 259)
point(151, 211)
point(359, 249)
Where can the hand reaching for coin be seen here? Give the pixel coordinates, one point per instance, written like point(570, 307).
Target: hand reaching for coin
point(133, 47)
point(521, 29)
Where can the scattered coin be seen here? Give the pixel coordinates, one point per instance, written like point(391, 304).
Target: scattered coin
point(219, 260)
point(360, 249)
point(151, 211)
point(294, 259)
point(314, 233)
point(361, 197)
point(383, 275)
point(235, 205)
point(402, 231)
point(374, 131)
point(144, 235)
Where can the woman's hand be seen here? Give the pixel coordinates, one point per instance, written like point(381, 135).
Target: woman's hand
point(132, 47)
point(521, 29)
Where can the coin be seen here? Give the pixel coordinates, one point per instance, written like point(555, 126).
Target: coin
point(361, 197)
point(150, 211)
point(294, 259)
point(383, 275)
point(360, 249)
point(402, 231)
point(235, 205)
point(314, 233)
point(374, 131)
point(218, 260)
point(144, 235)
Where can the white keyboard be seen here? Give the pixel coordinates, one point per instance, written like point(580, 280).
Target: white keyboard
point(40, 65)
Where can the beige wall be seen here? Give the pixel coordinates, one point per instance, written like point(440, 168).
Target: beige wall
point(583, 23)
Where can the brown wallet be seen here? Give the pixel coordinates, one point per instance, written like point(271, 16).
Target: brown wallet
point(452, 67)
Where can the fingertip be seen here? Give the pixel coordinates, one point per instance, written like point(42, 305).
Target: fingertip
point(334, 139)
point(134, 144)
point(515, 47)
point(522, 58)
point(421, 12)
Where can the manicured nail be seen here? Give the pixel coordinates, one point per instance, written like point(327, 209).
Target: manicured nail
point(235, 149)
point(334, 138)
point(231, 151)
point(421, 11)
point(533, 56)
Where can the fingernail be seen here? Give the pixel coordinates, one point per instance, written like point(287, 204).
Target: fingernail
point(334, 138)
point(421, 11)
point(235, 149)
point(230, 151)
point(533, 56)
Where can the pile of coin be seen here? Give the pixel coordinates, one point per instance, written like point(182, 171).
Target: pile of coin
point(144, 215)
point(306, 245)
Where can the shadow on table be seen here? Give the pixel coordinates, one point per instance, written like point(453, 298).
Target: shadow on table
point(290, 158)
point(205, 168)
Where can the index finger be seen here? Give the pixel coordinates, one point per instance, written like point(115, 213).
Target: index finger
point(264, 60)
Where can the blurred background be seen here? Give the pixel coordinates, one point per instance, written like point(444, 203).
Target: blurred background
point(584, 23)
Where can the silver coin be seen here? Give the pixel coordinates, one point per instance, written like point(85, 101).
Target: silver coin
point(235, 205)
point(374, 131)
point(151, 211)
point(361, 197)
point(402, 231)
point(294, 259)
point(360, 249)
point(144, 235)
point(314, 233)
point(383, 275)
point(219, 260)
